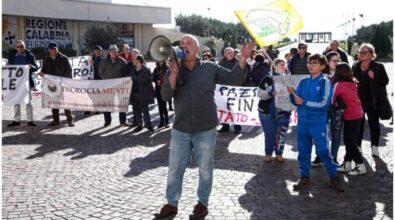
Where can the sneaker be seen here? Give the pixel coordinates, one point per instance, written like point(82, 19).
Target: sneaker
point(13, 124)
point(31, 124)
point(267, 158)
point(375, 151)
point(345, 167)
point(317, 162)
point(280, 159)
point(167, 211)
point(53, 123)
point(359, 169)
point(199, 212)
point(337, 183)
point(304, 182)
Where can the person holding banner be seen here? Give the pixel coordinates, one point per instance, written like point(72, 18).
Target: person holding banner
point(194, 130)
point(312, 98)
point(126, 54)
point(113, 67)
point(95, 61)
point(229, 61)
point(57, 64)
point(274, 121)
point(22, 56)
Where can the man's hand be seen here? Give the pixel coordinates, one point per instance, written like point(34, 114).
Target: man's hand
point(41, 74)
point(247, 49)
point(174, 71)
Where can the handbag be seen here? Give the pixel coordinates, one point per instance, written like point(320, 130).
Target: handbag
point(385, 108)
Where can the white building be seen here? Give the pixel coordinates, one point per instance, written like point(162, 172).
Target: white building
point(66, 21)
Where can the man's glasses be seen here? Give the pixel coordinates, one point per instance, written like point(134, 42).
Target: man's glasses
point(302, 48)
point(19, 46)
point(313, 63)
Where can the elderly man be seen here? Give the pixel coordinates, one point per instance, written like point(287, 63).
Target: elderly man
point(229, 61)
point(22, 56)
point(194, 130)
point(111, 68)
point(57, 64)
point(334, 46)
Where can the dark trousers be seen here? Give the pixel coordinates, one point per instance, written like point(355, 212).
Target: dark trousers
point(226, 127)
point(107, 117)
point(350, 134)
point(374, 125)
point(139, 110)
point(163, 113)
point(55, 115)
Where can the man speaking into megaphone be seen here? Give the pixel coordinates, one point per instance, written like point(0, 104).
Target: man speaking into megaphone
point(192, 85)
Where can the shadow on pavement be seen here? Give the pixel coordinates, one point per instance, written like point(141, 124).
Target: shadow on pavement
point(270, 193)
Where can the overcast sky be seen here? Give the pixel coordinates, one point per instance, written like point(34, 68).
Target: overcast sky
point(317, 15)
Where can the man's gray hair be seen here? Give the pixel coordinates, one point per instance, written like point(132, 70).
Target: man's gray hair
point(21, 42)
point(229, 48)
point(193, 38)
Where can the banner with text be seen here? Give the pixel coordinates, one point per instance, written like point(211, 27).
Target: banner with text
point(15, 84)
point(237, 105)
point(282, 100)
point(86, 95)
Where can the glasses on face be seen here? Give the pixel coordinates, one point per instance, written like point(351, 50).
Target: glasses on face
point(304, 48)
point(313, 63)
point(335, 60)
point(363, 52)
point(19, 46)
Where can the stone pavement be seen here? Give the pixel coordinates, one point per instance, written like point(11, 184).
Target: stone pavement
point(91, 172)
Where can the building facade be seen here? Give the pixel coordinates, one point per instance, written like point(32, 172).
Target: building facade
point(66, 21)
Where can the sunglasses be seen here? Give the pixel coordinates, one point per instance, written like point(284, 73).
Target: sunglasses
point(363, 52)
point(19, 46)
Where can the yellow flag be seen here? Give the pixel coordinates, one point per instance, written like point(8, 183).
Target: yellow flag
point(270, 23)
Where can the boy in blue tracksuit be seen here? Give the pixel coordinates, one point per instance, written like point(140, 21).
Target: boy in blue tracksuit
point(313, 98)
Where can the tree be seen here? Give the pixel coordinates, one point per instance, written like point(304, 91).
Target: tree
point(101, 36)
point(381, 42)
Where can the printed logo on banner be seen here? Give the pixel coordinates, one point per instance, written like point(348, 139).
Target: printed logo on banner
point(51, 87)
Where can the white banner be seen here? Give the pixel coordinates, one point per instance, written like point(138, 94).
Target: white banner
point(86, 95)
point(282, 100)
point(237, 105)
point(15, 84)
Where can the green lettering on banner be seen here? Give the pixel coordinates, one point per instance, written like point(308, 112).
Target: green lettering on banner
point(266, 31)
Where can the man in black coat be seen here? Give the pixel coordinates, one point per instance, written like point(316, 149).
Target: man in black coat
point(57, 64)
point(334, 46)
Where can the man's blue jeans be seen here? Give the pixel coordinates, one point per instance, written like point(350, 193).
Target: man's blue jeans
point(181, 146)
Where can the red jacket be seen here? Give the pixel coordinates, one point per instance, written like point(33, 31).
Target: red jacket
point(348, 92)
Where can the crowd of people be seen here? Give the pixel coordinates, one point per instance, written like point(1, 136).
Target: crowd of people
point(334, 95)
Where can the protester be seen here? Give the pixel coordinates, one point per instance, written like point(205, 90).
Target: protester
point(158, 78)
point(95, 61)
point(273, 120)
point(372, 81)
point(207, 56)
point(334, 46)
point(113, 67)
point(335, 113)
point(22, 56)
point(298, 63)
point(312, 98)
point(260, 70)
point(251, 61)
point(346, 88)
point(126, 54)
point(273, 54)
point(194, 129)
point(57, 64)
point(142, 94)
point(229, 61)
